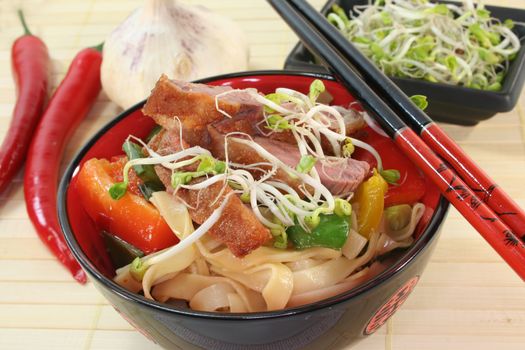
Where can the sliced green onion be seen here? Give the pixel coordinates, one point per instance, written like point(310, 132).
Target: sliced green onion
point(245, 197)
point(137, 269)
point(341, 13)
point(316, 88)
point(146, 172)
point(207, 164)
point(508, 23)
point(391, 176)
point(306, 163)
point(280, 237)
point(118, 190)
point(483, 13)
point(220, 167)
point(420, 101)
point(348, 148)
point(312, 221)
point(488, 56)
point(178, 179)
point(342, 208)
point(480, 34)
point(281, 241)
point(439, 9)
point(398, 216)
point(277, 122)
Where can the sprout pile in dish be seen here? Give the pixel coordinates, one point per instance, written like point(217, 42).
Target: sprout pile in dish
point(445, 43)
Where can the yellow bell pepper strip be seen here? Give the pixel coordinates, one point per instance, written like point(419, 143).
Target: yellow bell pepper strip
point(370, 196)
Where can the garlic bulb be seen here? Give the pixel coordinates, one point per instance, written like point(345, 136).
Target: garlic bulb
point(167, 37)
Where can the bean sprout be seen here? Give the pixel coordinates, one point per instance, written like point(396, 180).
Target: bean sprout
point(445, 43)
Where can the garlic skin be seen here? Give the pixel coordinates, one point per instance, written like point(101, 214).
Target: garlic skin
point(167, 37)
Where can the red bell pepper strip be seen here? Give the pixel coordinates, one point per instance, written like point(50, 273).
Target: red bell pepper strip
point(411, 185)
point(30, 63)
point(132, 218)
point(69, 105)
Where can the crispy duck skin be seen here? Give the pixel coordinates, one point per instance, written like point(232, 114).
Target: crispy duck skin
point(237, 227)
point(194, 105)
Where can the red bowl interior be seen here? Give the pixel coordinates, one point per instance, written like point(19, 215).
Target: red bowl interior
point(133, 122)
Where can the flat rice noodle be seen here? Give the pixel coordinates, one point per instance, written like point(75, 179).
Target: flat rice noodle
point(273, 281)
point(328, 292)
point(255, 281)
point(209, 243)
point(156, 273)
point(174, 212)
point(166, 269)
point(303, 264)
point(179, 221)
point(263, 271)
point(212, 298)
point(201, 266)
point(347, 284)
point(332, 271)
point(184, 286)
point(236, 303)
point(418, 210)
point(224, 258)
point(387, 244)
point(123, 278)
point(354, 245)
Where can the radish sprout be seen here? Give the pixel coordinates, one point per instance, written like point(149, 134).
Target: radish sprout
point(445, 43)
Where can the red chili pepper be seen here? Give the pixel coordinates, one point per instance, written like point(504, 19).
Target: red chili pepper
point(68, 106)
point(30, 63)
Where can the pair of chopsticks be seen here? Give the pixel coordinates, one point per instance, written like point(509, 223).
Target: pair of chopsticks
point(477, 197)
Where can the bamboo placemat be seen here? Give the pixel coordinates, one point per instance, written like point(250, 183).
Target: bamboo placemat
point(467, 298)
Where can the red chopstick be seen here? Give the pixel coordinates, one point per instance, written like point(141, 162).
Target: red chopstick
point(486, 189)
point(496, 232)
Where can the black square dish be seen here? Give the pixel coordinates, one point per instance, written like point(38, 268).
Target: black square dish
point(447, 103)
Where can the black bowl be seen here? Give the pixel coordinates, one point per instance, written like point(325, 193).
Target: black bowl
point(353, 314)
point(447, 103)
